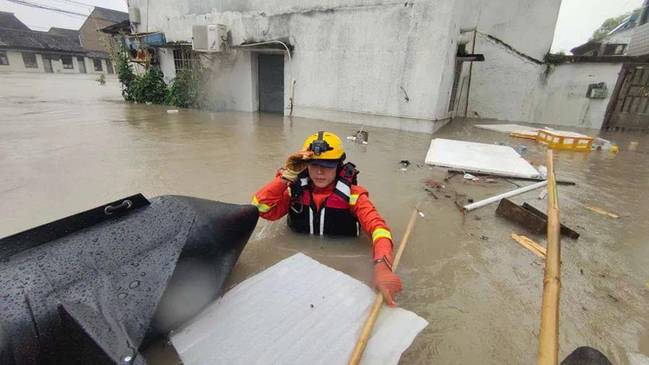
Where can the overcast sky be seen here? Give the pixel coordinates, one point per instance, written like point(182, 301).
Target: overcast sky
point(577, 18)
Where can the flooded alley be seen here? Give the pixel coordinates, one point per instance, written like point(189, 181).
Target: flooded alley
point(480, 291)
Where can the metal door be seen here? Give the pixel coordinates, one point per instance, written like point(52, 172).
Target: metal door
point(82, 65)
point(47, 63)
point(629, 105)
point(271, 83)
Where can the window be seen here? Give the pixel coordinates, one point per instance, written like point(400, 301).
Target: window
point(109, 67)
point(97, 63)
point(67, 62)
point(183, 59)
point(4, 60)
point(29, 59)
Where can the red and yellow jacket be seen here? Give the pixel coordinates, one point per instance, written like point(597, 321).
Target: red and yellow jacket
point(273, 202)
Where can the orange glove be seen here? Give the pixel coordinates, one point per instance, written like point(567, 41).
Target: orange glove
point(295, 164)
point(387, 282)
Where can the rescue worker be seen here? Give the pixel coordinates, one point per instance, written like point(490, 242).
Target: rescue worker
point(319, 192)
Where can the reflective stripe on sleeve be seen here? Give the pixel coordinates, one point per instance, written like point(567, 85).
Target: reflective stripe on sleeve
point(261, 207)
point(353, 198)
point(381, 233)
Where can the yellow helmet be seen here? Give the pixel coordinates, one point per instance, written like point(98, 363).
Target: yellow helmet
point(325, 146)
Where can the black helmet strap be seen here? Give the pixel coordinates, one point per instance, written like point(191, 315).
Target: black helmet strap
point(320, 145)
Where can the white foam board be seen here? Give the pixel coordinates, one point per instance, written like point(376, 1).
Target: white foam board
point(507, 128)
point(296, 312)
point(479, 158)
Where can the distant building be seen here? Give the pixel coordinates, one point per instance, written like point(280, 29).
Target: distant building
point(639, 44)
point(615, 43)
point(58, 50)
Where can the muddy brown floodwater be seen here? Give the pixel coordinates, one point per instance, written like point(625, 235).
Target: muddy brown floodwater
point(67, 145)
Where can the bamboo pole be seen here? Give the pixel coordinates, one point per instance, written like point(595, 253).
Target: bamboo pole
point(357, 354)
point(549, 335)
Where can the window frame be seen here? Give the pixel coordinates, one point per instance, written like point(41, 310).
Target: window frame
point(71, 64)
point(95, 62)
point(184, 59)
point(109, 67)
point(4, 58)
point(30, 65)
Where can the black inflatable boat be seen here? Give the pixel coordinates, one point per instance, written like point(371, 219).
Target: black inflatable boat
point(94, 287)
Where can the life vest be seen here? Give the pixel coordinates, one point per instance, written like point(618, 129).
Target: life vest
point(334, 217)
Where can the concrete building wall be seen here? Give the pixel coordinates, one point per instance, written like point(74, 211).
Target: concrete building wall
point(561, 100)
point(16, 63)
point(514, 37)
point(378, 62)
point(505, 85)
point(358, 61)
point(166, 58)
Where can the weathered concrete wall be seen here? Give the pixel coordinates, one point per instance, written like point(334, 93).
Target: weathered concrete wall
point(504, 86)
point(526, 25)
point(233, 84)
point(514, 36)
point(16, 63)
point(166, 58)
point(562, 100)
point(353, 61)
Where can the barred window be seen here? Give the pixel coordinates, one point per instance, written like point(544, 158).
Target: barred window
point(4, 60)
point(67, 62)
point(183, 59)
point(29, 59)
point(97, 64)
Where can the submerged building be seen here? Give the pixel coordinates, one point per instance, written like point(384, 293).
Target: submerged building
point(411, 65)
point(58, 50)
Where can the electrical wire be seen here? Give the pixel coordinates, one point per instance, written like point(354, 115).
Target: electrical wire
point(57, 10)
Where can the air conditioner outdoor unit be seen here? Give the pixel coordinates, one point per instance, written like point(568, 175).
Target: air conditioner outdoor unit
point(134, 15)
point(209, 38)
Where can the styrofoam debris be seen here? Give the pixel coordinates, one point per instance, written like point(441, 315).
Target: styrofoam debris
point(479, 158)
point(296, 312)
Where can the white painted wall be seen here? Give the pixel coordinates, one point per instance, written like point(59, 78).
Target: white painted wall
point(526, 25)
point(233, 86)
point(504, 86)
point(562, 100)
point(353, 61)
point(16, 63)
point(166, 58)
point(357, 60)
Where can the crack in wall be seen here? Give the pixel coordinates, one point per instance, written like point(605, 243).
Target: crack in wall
point(512, 49)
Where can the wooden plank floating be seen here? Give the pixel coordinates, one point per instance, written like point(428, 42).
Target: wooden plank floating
point(603, 212)
point(526, 242)
point(532, 219)
point(565, 231)
point(517, 214)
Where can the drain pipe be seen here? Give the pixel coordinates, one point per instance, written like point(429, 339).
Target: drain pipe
point(290, 61)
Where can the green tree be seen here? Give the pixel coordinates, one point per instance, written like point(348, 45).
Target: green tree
point(612, 23)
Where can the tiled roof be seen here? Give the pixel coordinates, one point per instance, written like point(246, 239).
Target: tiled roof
point(9, 21)
point(109, 14)
point(29, 39)
point(70, 33)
